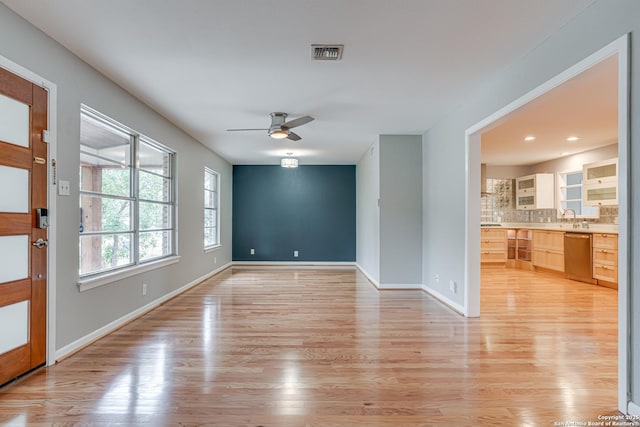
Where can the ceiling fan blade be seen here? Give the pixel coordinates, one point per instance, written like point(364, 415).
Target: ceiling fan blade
point(242, 130)
point(297, 122)
point(294, 136)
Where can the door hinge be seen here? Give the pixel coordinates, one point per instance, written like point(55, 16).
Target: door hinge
point(45, 136)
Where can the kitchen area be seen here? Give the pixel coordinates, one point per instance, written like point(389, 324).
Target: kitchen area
point(550, 182)
point(553, 269)
point(562, 222)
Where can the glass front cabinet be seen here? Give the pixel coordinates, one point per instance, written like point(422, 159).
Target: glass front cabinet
point(535, 191)
point(600, 183)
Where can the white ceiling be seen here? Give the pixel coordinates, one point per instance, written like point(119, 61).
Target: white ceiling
point(585, 106)
point(211, 65)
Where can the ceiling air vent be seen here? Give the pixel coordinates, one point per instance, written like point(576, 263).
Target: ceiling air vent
point(326, 52)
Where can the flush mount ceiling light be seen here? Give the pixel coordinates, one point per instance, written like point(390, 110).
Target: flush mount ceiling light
point(572, 138)
point(289, 162)
point(529, 138)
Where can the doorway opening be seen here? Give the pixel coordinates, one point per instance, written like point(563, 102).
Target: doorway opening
point(618, 48)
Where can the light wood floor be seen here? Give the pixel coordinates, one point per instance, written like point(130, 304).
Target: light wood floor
point(325, 348)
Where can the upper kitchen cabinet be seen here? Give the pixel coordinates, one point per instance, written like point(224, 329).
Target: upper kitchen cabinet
point(535, 191)
point(600, 183)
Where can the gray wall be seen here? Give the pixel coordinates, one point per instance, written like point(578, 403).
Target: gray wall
point(444, 145)
point(576, 161)
point(501, 172)
point(80, 313)
point(400, 209)
point(368, 212)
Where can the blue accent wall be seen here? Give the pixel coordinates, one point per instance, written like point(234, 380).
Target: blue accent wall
point(311, 209)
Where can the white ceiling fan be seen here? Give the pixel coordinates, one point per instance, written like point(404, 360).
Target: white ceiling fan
point(280, 128)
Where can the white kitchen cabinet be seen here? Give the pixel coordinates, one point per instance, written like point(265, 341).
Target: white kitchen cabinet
point(600, 183)
point(535, 191)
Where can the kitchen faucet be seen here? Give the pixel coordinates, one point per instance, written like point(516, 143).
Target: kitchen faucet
point(564, 214)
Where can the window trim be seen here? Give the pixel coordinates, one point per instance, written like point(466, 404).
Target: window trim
point(98, 278)
point(218, 244)
point(559, 200)
point(89, 282)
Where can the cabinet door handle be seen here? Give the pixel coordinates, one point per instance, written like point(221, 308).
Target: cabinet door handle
point(604, 251)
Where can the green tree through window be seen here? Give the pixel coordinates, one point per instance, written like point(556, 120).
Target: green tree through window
point(126, 211)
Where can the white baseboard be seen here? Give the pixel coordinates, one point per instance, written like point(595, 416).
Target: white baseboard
point(294, 264)
point(400, 286)
point(633, 409)
point(110, 327)
point(383, 286)
point(443, 299)
point(373, 281)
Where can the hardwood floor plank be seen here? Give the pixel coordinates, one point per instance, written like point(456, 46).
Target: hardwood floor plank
point(325, 348)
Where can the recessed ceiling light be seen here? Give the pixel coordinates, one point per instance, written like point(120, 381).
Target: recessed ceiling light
point(573, 138)
point(566, 153)
point(529, 138)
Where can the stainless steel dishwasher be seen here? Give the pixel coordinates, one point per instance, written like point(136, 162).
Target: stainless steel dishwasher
point(577, 256)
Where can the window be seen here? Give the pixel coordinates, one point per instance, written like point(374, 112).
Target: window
point(570, 196)
point(126, 208)
point(211, 201)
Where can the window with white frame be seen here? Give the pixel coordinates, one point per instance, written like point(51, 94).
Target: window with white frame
point(126, 207)
point(211, 203)
point(570, 196)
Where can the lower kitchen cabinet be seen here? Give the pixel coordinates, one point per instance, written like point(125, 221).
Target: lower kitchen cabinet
point(493, 246)
point(519, 248)
point(548, 249)
point(523, 245)
point(605, 259)
point(530, 249)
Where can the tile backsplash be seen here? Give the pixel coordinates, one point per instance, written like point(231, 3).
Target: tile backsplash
point(499, 206)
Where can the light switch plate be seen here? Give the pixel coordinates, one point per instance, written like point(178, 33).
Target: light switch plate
point(64, 188)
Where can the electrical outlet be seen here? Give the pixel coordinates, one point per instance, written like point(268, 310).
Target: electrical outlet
point(295, 254)
point(436, 277)
point(144, 289)
point(453, 286)
point(64, 188)
point(253, 251)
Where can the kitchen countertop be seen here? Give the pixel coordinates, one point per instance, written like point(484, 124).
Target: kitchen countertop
point(555, 226)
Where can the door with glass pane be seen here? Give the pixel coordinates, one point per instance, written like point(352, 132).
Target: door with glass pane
point(23, 234)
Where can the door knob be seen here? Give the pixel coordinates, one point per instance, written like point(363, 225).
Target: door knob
point(40, 243)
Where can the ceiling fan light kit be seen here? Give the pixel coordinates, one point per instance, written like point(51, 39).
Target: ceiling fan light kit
point(279, 134)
